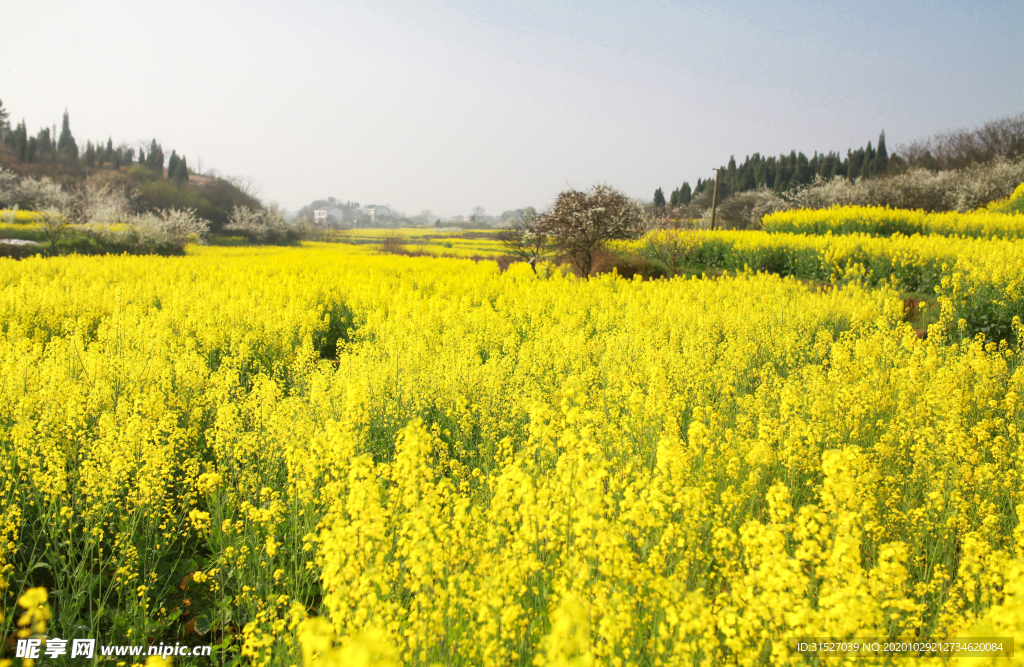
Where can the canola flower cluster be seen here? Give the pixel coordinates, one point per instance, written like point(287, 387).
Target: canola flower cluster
point(18, 216)
point(979, 281)
point(476, 243)
point(885, 221)
point(19, 224)
point(325, 456)
point(1012, 204)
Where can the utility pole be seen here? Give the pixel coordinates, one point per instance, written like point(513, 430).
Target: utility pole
point(714, 198)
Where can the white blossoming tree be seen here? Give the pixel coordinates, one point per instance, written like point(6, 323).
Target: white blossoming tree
point(582, 222)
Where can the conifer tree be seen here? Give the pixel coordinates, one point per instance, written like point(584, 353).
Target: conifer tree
point(21, 141)
point(882, 157)
point(685, 194)
point(780, 181)
point(66, 143)
point(155, 160)
point(172, 165)
point(181, 171)
point(853, 162)
point(90, 154)
point(659, 198)
point(5, 126)
point(43, 141)
point(865, 166)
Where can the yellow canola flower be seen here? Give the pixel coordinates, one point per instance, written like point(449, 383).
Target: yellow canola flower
point(37, 612)
point(978, 280)
point(1012, 204)
point(423, 460)
point(993, 222)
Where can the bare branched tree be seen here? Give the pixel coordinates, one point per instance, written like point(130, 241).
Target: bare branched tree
point(523, 239)
point(54, 224)
point(1000, 138)
point(247, 184)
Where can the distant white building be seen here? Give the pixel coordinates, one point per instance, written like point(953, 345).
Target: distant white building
point(326, 216)
point(376, 212)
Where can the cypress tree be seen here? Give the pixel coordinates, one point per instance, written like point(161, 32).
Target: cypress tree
point(66, 143)
point(760, 174)
point(142, 157)
point(5, 126)
point(747, 181)
point(865, 167)
point(43, 141)
point(155, 161)
point(181, 171)
point(172, 165)
point(882, 158)
point(780, 181)
point(685, 195)
point(801, 173)
point(826, 167)
point(659, 198)
point(853, 163)
point(21, 141)
point(90, 154)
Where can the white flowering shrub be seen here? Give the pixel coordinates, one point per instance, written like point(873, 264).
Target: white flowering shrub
point(744, 210)
point(263, 225)
point(37, 194)
point(581, 222)
point(954, 190)
point(8, 188)
point(163, 232)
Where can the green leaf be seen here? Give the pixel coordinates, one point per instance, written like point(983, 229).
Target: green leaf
point(204, 622)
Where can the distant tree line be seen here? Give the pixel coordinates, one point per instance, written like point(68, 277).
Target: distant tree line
point(957, 149)
point(153, 180)
point(47, 146)
point(787, 172)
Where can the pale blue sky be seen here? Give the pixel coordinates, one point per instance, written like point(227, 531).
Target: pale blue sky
point(447, 105)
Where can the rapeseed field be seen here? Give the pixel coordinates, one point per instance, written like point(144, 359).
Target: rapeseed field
point(999, 221)
point(329, 456)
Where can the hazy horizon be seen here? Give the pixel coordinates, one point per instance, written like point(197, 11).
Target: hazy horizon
point(450, 105)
